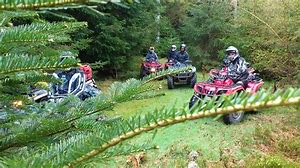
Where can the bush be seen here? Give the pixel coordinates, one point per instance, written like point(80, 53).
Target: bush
point(272, 161)
point(268, 39)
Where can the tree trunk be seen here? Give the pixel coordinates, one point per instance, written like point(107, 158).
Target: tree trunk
point(234, 7)
point(158, 21)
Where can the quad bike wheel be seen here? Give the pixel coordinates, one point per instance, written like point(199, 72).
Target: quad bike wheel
point(233, 118)
point(42, 100)
point(142, 72)
point(193, 101)
point(193, 80)
point(170, 82)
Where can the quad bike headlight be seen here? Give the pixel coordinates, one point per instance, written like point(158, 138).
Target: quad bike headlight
point(152, 70)
point(192, 70)
point(199, 88)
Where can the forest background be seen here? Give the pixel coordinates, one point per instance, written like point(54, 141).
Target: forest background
point(116, 35)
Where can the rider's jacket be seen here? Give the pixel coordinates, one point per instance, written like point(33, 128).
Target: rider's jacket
point(151, 56)
point(171, 55)
point(182, 56)
point(237, 69)
point(65, 77)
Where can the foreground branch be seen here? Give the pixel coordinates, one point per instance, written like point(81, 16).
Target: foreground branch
point(166, 122)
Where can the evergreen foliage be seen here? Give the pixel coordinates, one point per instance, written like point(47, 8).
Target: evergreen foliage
point(205, 24)
point(117, 33)
point(31, 46)
point(72, 133)
point(266, 33)
point(125, 33)
point(80, 139)
point(25, 53)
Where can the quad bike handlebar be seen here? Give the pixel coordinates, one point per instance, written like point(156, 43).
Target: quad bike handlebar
point(177, 63)
point(188, 61)
point(222, 74)
point(151, 60)
point(218, 74)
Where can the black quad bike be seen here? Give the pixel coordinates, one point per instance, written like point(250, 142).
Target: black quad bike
point(74, 82)
point(188, 77)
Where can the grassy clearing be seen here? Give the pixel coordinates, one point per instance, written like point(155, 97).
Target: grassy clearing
point(219, 145)
point(279, 144)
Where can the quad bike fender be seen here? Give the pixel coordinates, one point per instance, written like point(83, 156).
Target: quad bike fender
point(196, 90)
point(253, 87)
point(152, 66)
point(213, 71)
point(235, 90)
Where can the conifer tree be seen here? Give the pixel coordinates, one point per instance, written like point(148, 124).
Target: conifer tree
point(71, 133)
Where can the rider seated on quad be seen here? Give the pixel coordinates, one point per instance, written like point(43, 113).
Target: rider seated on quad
point(151, 55)
point(237, 66)
point(65, 76)
point(172, 53)
point(182, 56)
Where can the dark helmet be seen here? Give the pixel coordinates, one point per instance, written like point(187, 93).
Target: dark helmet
point(183, 46)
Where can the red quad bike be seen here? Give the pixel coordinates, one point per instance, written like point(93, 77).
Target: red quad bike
point(149, 67)
point(221, 84)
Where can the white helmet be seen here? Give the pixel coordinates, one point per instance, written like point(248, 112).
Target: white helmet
point(232, 53)
point(173, 47)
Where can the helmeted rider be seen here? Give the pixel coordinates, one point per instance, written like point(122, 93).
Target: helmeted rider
point(182, 56)
point(237, 66)
point(151, 55)
point(67, 74)
point(172, 53)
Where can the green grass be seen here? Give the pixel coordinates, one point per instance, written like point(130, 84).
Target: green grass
point(218, 144)
point(178, 96)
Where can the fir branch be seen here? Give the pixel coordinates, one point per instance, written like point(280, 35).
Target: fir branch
point(286, 99)
point(29, 77)
point(125, 149)
point(164, 73)
point(107, 136)
point(34, 4)
point(57, 16)
point(12, 4)
point(131, 88)
point(19, 63)
point(38, 32)
point(119, 92)
point(35, 131)
point(6, 16)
